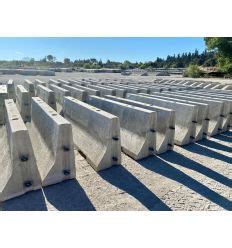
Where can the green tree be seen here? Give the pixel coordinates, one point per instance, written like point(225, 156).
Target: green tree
point(50, 58)
point(223, 48)
point(67, 61)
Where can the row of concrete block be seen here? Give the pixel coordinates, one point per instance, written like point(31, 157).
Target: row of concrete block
point(202, 84)
point(35, 154)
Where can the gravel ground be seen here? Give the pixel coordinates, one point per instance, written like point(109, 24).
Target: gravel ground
point(193, 177)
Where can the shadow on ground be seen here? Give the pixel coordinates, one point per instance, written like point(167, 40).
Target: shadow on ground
point(123, 179)
point(31, 201)
point(160, 166)
point(199, 148)
point(68, 196)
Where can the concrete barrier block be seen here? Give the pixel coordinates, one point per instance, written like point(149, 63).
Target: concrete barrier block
point(202, 112)
point(96, 133)
point(60, 93)
point(88, 90)
point(118, 92)
point(76, 82)
point(103, 90)
point(186, 116)
point(52, 139)
point(226, 115)
point(19, 172)
point(218, 112)
point(3, 96)
point(30, 87)
point(138, 126)
point(64, 82)
point(11, 90)
point(54, 82)
point(23, 102)
point(165, 126)
point(47, 96)
point(76, 93)
point(39, 82)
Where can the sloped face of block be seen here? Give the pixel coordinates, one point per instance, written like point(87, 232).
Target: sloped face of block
point(136, 124)
point(52, 139)
point(11, 90)
point(186, 115)
point(60, 93)
point(96, 133)
point(165, 124)
point(76, 93)
point(23, 101)
point(47, 95)
point(20, 174)
point(30, 87)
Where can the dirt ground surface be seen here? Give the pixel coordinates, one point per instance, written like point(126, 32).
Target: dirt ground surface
point(193, 177)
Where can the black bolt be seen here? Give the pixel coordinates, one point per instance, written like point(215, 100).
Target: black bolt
point(152, 130)
point(219, 129)
point(172, 128)
point(207, 119)
point(194, 121)
point(151, 149)
point(170, 145)
point(27, 184)
point(191, 137)
point(205, 133)
point(66, 172)
point(24, 158)
point(114, 159)
point(66, 148)
point(115, 138)
point(222, 116)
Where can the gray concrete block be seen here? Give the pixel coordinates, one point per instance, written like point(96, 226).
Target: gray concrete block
point(76, 93)
point(224, 106)
point(96, 133)
point(88, 90)
point(165, 126)
point(52, 139)
point(118, 92)
point(3, 96)
point(202, 113)
point(19, 172)
point(23, 102)
point(30, 87)
point(214, 112)
point(39, 82)
point(186, 116)
point(138, 126)
point(60, 93)
point(47, 95)
point(103, 90)
point(11, 90)
point(54, 82)
point(64, 82)
point(76, 82)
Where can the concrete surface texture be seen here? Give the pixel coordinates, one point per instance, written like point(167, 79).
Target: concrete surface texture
point(165, 124)
point(46, 95)
point(138, 126)
point(52, 139)
point(186, 116)
point(96, 133)
point(23, 102)
point(191, 177)
point(19, 172)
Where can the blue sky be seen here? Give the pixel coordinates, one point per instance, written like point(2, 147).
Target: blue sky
point(116, 49)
